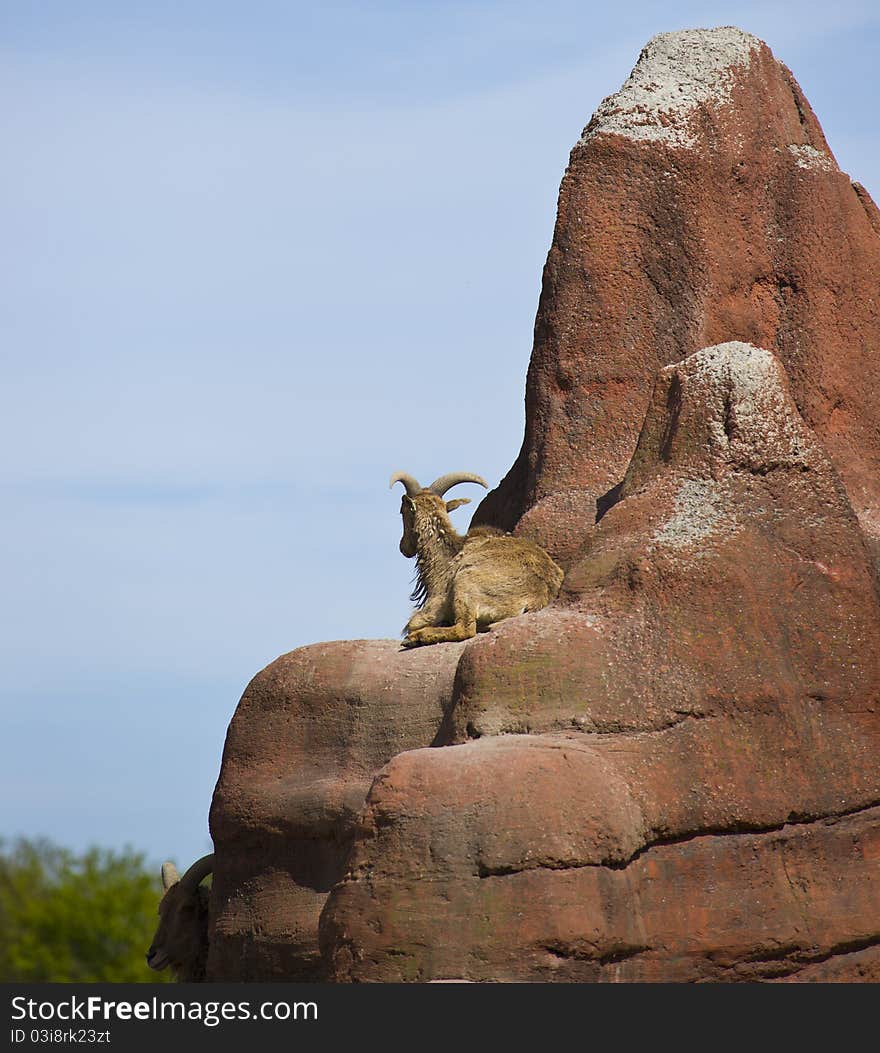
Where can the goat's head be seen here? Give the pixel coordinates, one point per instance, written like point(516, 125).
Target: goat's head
point(421, 503)
point(181, 938)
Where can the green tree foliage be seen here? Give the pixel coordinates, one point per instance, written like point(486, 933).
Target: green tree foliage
point(75, 918)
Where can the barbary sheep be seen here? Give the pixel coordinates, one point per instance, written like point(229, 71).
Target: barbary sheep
point(471, 582)
point(181, 939)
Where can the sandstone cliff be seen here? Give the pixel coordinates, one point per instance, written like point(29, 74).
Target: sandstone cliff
point(670, 773)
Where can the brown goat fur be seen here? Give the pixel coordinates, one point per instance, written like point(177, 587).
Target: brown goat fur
point(468, 583)
point(181, 939)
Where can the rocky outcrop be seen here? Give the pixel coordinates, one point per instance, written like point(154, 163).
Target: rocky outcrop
point(701, 204)
point(671, 773)
point(716, 671)
point(731, 571)
point(543, 895)
point(307, 738)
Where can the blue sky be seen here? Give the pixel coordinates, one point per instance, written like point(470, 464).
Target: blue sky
point(255, 257)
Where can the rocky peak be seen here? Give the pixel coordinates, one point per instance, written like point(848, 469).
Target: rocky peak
point(701, 205)
point(676, 73)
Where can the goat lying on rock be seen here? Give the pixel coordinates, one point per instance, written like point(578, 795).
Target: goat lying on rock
point(471, 582)
point(181, 939)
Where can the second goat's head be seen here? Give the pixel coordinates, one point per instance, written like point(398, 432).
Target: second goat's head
point(181, 940)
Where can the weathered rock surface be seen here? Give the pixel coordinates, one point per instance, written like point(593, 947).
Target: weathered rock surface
point(309, 734)
point(671, 773)
point(441, 887)
point(702, 204)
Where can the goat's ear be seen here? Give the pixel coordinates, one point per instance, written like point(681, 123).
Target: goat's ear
point(457, 503)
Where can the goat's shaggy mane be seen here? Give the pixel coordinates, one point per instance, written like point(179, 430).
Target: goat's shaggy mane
point(420, 590)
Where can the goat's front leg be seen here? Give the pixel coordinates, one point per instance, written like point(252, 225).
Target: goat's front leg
point(432, 613)
point(463, 628)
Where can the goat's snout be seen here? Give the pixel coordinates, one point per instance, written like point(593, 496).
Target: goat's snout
point(156, 959)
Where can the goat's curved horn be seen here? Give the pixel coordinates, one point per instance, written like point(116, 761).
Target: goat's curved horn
point(413, 486)
point(198, 871)
point(169, 875)
point(446, 482)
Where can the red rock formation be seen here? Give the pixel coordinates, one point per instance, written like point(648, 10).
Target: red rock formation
point(309, 734)
point(433, 894)
point(701, 204)
point(670, 774)
point(732, 566)
point(717, 670)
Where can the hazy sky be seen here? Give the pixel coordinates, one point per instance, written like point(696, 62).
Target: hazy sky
point(255, 257)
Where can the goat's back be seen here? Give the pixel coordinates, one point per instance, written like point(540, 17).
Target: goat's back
point(505, 572)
